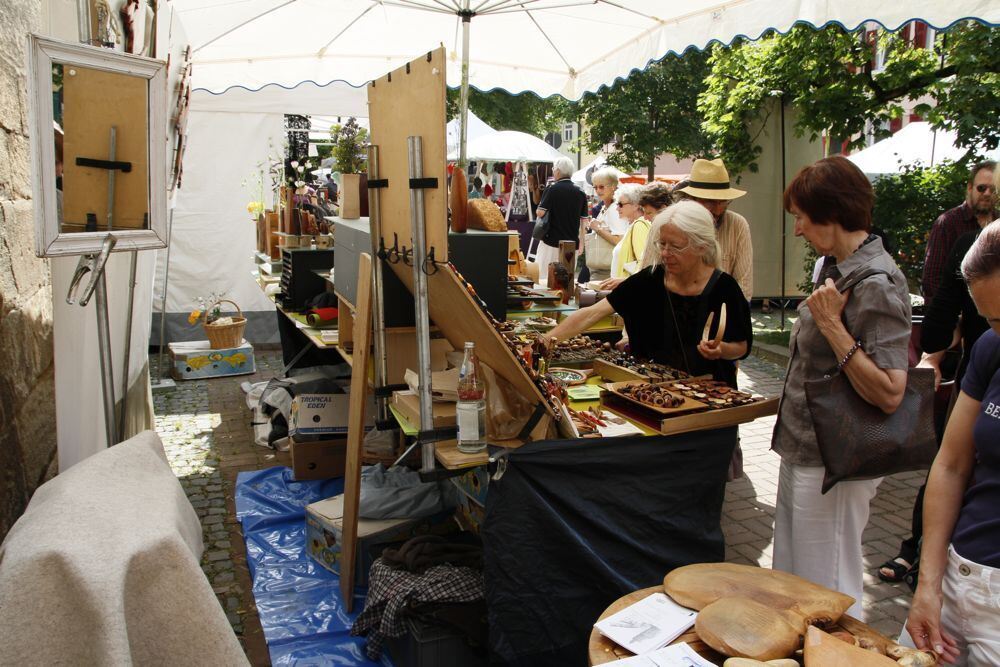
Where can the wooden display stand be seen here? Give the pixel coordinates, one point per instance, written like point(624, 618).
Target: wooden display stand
point(410, 101)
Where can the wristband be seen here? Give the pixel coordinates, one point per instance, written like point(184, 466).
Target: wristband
point(850, 353)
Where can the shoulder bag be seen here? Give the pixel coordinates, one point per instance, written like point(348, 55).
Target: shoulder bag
point(597, 251)
point(859, 441)
point(541, 227)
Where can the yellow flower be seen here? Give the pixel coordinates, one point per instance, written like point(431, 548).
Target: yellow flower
point(194, 316)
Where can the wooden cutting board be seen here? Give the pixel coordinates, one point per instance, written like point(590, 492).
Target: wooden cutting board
point(824, 650)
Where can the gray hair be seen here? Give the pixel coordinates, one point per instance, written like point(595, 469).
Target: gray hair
point(564, 166)
point(983, 258)
point(629, 192)
point(695, 222)
point(606, 175)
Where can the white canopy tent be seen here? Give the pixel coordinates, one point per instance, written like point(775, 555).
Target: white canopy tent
point(508, 145)
point(916, 143)
point(547, 47)
point(477, 128)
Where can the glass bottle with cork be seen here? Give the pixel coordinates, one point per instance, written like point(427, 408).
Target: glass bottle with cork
point(470, 410)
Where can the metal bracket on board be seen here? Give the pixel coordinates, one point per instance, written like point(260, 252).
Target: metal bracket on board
point(532, 422)
point(386, 391)
point(426, 183)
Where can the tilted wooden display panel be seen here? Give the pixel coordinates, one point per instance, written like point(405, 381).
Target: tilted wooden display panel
point(410, 101)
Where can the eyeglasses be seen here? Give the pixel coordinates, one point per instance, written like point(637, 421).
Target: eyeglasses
point(671, 249)
point(625, 203)
point(983, 187)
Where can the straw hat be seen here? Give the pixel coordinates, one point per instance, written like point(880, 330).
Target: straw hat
point(710, 180)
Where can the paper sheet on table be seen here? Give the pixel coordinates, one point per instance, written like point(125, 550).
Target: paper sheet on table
point(647, 625)
point(584, 392)
point(617, 426)
point(675, 655)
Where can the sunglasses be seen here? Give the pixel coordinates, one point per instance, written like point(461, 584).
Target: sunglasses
point(983, 187)
point(625, 203)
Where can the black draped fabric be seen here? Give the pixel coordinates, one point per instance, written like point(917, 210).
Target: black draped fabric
point(572, 525)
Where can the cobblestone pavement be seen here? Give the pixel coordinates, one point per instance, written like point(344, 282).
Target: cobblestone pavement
point(205, 428)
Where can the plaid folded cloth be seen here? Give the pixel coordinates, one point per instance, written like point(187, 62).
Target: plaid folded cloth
point(391, 591)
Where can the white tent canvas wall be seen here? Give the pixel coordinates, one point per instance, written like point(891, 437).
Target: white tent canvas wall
point(213, 236)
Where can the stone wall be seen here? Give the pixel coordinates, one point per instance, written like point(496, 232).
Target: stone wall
point(27, 390)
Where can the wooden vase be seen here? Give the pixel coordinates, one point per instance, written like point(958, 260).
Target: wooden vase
point(350, 196)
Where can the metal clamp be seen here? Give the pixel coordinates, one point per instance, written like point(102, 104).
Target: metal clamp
point(94, 263)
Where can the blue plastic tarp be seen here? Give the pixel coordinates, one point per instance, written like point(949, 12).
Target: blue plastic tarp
point(298, 601)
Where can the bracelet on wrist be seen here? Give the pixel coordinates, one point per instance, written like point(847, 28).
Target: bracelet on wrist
point(850, 353)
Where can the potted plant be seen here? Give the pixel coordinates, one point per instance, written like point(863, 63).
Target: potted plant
point(350, 155)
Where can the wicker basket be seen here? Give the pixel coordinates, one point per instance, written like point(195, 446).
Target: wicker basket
point(224, 336)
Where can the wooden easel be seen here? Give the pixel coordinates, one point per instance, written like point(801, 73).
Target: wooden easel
point(356, 429)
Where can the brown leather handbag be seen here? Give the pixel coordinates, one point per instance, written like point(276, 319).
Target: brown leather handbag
point(859, 441)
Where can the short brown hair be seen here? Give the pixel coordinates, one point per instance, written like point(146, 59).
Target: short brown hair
point(983, 258)
point(991, 165)
point(832, 191)
point(656, 194)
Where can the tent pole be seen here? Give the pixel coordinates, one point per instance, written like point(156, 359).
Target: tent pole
point(463, 161)
point(784, 223)
point(378, 311)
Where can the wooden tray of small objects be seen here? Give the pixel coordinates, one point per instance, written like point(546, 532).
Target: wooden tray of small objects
point(706, 404)
point(613, 372)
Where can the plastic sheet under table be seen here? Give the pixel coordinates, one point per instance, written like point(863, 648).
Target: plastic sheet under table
point(298, 601)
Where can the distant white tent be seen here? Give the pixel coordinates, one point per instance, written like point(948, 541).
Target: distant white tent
point(916, 143)
point(509, 145)
point(477, 128)
point(582, 177)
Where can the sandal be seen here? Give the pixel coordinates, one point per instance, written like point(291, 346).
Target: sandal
point(898, 568)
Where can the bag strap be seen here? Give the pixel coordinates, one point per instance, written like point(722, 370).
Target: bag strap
point(631, 241)
point(852, 279)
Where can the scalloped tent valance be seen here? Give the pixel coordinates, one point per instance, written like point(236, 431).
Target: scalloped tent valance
point(547, 47)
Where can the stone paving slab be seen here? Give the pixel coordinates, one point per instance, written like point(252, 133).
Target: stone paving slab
point(205, 428)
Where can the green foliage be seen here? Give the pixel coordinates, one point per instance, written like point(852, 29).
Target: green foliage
point(906, 205)
point(524, 113)
point(650, 113)
point(350, 147)
point(825, 75)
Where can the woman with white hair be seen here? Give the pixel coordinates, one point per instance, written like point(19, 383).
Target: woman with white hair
point(566, 206)
point(666, 306)
point(604, 232)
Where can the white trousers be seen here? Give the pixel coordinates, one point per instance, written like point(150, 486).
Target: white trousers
point(818, 537)
point(971, 611)
point(545, 255)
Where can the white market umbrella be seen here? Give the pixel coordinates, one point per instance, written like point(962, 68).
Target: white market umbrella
point(548, 47)
point(916, 143)
point(509, 145)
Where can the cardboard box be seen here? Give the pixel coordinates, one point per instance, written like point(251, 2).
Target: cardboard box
point(408, 404)
point(324, 529)
point(322, 416)
point(320, 459)
point(196, 360)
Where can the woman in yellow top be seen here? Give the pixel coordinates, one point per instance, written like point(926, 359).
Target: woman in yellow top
point(628, 252)
point(651, 199)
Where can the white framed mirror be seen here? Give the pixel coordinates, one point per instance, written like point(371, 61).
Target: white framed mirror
point(98, 148)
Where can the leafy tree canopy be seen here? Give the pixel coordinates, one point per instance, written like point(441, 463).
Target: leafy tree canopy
point(650, 113)
point(524, 113)
point(826, 76)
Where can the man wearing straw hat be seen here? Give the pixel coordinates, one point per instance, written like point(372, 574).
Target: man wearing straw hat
point(708, 185)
